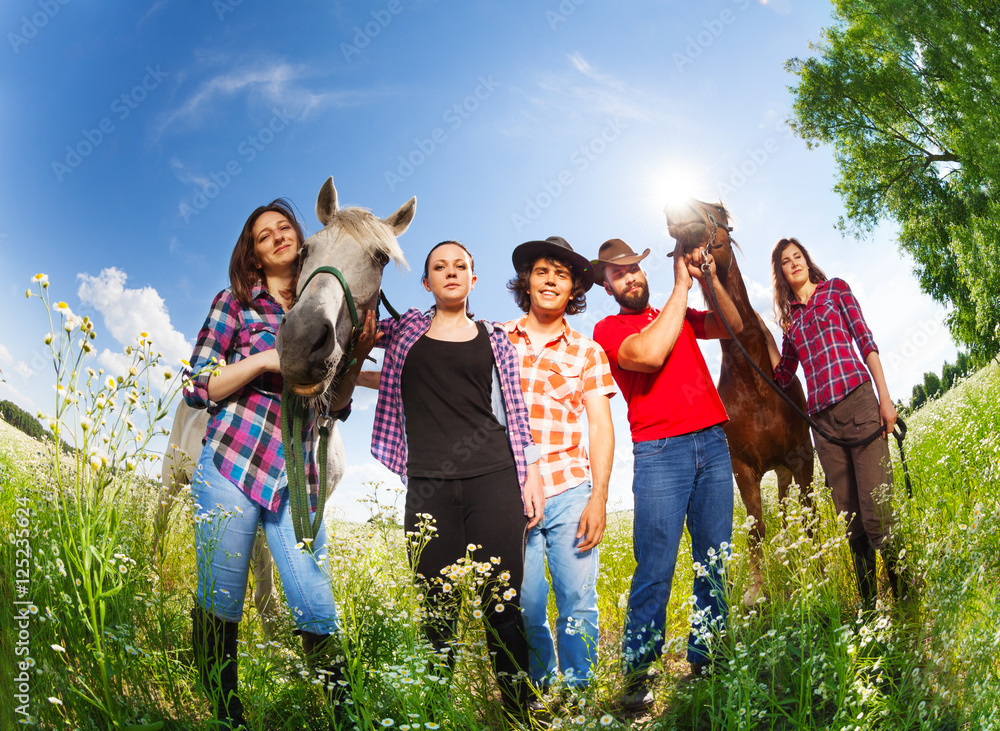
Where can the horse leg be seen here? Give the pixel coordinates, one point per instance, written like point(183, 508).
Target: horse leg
point(263, 580)
point(799, 463)
point(172, 484)
point(749, 484)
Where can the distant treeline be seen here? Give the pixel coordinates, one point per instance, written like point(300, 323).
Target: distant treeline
point(21, 419)
point(935, 385)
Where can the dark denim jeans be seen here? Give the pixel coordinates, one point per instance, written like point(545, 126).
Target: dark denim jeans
point(688, 476)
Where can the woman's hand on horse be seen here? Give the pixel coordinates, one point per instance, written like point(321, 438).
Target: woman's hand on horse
point(369, 336)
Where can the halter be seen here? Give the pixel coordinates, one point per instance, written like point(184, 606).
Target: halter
point(294, 411)
point(351, 307)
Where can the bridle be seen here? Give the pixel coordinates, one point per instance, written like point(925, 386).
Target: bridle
point(295, 410)
point(899, 433)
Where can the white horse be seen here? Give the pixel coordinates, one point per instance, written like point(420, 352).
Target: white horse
point(312, 341)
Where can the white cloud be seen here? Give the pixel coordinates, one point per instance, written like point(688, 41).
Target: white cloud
point(9, 393)
point(5, 356)
point(583, 92)
point(274, 85)
point(128, 312)
point(23, 369)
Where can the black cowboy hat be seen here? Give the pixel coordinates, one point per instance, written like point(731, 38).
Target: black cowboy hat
point(528, 253)
point(617, 252)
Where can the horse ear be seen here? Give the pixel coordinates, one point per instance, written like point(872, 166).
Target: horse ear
point(326, 203)
point(400, 220)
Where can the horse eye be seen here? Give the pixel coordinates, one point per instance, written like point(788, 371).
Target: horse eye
point(382, 258)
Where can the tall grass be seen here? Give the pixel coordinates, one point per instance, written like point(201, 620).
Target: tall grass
point(109, 633)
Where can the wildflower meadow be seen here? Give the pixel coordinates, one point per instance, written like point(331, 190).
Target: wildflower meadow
point(96, 632)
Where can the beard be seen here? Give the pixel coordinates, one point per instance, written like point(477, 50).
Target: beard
point(636, 300)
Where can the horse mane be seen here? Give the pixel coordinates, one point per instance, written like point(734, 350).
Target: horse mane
point(371, 232)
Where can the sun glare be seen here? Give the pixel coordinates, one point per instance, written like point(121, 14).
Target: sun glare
point(674, 187)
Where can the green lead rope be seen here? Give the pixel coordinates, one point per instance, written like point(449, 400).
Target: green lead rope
point(294, 412)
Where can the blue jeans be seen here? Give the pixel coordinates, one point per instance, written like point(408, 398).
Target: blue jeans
point(688, 476)
point(225, 525)
point(574, 579)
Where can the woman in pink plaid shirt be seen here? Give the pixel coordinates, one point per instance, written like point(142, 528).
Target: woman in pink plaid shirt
point(822, 322)
point(240, 480)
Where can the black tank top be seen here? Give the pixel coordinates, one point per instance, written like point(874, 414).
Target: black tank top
point(451, 432)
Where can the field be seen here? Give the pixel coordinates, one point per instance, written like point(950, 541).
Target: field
point(96, 632)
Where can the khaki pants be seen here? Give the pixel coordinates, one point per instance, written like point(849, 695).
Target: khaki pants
point(860, 478)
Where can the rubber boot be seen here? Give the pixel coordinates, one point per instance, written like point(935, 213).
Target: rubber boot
point(325, 658)
point(865, 569)
point(215, 652)
point(509, 653)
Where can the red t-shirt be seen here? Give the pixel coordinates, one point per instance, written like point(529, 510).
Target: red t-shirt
point(680, 398)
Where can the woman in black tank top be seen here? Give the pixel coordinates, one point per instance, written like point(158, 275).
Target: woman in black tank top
point(465, 460)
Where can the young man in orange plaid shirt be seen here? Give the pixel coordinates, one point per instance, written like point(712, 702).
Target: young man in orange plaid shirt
point(563, 376)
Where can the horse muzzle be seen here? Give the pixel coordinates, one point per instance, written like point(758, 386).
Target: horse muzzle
point(307, 349)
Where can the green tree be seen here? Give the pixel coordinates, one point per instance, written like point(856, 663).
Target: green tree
point(908, 94)
point(21, 419)
point(932, 385)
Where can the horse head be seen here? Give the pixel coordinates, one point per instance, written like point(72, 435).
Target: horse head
point(697, 225)
point(340, 277)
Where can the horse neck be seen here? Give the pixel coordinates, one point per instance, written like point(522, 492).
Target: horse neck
point(752, 337)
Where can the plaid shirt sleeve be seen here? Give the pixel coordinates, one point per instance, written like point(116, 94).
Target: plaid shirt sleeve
point(518, 429)
point(215, 339)
point(388, 435)
point(855, 321)
point(597, 379)
point(789, 362)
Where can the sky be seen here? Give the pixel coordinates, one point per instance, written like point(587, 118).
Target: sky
point(138, 137)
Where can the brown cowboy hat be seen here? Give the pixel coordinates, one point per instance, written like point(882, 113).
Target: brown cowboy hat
point(527, 254)
point(617, 252)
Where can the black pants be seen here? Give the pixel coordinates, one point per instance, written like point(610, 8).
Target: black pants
point(486, 511)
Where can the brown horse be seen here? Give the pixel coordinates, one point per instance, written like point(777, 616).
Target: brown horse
point(764, 432)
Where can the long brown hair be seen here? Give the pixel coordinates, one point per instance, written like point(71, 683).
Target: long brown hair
point(783, 294)
point(244, 271)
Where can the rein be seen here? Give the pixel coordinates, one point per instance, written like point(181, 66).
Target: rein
point(900, 430)
point(295, 412)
